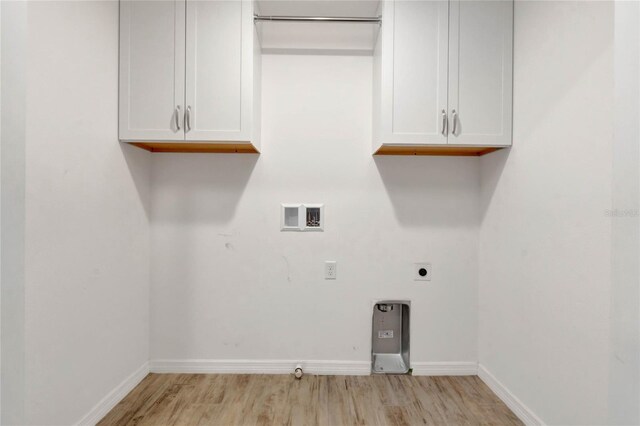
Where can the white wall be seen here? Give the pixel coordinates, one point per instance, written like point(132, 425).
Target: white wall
point(545, 241)
point(624, 357)
point(227, 284)
point(12, 202)
point(87, 232)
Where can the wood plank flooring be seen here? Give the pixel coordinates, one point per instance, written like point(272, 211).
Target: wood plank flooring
point(210, 399)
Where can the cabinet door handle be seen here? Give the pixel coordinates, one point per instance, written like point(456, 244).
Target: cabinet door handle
point(454, 119)
point(187, 120)
point(177, 114)
point(445, 123)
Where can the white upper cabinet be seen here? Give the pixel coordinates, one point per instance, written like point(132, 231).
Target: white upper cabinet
point(414, 73)
point(151, 69)
point(219, 70)
point(189, 75)
point(443, 77)
point(480, 72)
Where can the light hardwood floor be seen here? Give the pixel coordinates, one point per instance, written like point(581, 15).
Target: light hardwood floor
point(209, 399)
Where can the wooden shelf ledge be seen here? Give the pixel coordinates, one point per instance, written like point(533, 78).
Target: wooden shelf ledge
point(205, 147)
point(461, 151)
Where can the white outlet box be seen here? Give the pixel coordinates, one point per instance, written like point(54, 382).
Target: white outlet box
point(330, 270)
point(422, 272)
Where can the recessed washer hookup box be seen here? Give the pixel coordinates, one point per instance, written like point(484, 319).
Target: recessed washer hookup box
point(390, 337)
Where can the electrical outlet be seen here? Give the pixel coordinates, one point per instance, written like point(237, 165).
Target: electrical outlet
point(330, 270)
point(422, 272)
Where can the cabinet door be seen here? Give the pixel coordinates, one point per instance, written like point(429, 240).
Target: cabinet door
point(219, 72)
point(414, 72)
point(151, 70)
point(481, 68)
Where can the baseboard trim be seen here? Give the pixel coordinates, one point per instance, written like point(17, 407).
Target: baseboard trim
point(225, 366)
point(349, 368)
point(461, 368)
point(114, 397)
point(523, 412)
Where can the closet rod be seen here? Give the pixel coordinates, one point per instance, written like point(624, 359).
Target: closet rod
point(357, 20)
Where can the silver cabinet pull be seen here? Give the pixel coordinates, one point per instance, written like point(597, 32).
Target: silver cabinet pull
point(444, 123)
point(187, 120)
point(454, 118)
point(177, 113)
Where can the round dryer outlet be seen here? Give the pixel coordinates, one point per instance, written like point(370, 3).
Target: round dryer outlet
point(422, 272)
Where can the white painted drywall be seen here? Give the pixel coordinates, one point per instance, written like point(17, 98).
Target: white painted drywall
point(227, 284)
point(624, 357)
point(12, 204)
point(87, 232)
point(545, 240)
